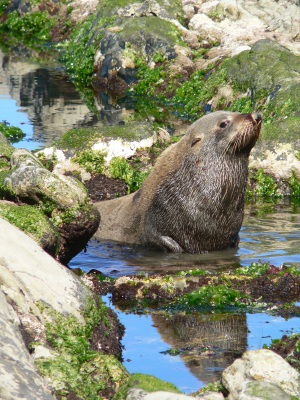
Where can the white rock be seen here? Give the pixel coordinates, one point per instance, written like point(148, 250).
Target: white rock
point(279, 161)
point(121, 148)
point(52, 152)
point(206, 27)
point(263, 366)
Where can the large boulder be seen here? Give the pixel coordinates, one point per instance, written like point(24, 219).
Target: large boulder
point(48, 318)
point(29, 276)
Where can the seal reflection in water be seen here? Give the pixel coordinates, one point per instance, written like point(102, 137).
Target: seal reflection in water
point(193, 200)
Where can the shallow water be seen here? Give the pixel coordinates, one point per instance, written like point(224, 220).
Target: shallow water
point(265, 236)
point(269, 234)
point(43, 103)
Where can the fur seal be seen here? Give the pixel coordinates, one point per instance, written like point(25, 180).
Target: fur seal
point(193, 200)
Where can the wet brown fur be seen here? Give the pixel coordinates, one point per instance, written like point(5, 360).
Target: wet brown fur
point(193, 200)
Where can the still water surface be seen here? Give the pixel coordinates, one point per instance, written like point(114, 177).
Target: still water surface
point(43, 103)
point(272, 236)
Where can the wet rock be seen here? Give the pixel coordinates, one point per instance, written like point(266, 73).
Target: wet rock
point(67, 220)
point(245, 376)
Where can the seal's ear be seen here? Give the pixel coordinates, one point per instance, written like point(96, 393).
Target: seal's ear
point(196, 140)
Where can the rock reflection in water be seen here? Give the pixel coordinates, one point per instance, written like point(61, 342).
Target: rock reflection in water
point(50, 102)
point(206, 343)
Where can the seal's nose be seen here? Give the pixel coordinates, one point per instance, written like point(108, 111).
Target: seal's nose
point(256, 117)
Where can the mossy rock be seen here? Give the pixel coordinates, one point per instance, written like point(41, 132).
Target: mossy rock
point(148, 383)
point(33, 222)
point(170, 9)
point(270, 72)
point(85, 138)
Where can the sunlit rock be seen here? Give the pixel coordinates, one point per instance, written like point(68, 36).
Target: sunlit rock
point(241, 377)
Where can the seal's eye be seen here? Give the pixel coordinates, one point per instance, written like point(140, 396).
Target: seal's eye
point(224, 124)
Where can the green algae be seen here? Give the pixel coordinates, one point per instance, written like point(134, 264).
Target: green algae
point(145, 382)
point(91, 160)
point(84, 138)
point(294, 183)
point(120, 169)
point(265, 185)
point(77, 369)
point(31, 29)
point(217, 297)
point(29, 219)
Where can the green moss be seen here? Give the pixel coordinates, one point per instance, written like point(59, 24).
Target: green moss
point(121, 169)
point(27, 218)
point(217, 297)
point(91, 160)
point(84, 138)
point(76, 369)
point(32, 29)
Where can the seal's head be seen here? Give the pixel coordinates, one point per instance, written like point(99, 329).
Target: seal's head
point(228, 132)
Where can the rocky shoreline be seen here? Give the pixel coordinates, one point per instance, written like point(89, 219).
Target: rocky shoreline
point(190, 56)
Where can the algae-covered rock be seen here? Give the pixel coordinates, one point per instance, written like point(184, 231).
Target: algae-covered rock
point(58, 213)
point(136, 134)
point(33, 222)
point(30, 180)
point(44, 307)
point(270, 73)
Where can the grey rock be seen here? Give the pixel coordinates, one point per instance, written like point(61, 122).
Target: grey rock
point(18, 376)
point(30, 180)
point(29, 275)
point(256, 390)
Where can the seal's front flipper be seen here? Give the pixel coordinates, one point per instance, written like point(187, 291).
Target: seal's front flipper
point(170, 244)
